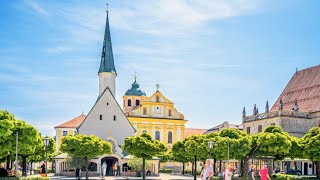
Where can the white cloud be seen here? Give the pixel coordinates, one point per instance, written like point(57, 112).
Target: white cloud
point(36, 7)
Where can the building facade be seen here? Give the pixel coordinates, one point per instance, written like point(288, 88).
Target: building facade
point(296, 111)
point(155, 115)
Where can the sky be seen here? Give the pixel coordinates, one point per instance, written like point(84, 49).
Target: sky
point(210, 57)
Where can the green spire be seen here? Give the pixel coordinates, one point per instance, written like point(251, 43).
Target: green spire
point(107, 62)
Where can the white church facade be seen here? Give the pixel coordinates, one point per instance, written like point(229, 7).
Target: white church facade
point(105, 120)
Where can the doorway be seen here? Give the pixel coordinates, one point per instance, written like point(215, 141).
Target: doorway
point(305, 168)
point(110, 161)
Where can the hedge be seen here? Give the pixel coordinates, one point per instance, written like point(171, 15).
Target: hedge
point(165, 170)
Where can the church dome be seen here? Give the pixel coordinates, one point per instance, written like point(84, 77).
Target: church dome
point(135, 90)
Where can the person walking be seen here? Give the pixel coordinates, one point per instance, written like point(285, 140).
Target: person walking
point(251, 172)
point(43, 169)
point(114, 168)
point(228, 173)
point(203, 174)
point(118, 169)
point(264, 174)
point(78, 173)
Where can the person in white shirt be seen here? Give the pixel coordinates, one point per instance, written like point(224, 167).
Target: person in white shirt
point(228, 173)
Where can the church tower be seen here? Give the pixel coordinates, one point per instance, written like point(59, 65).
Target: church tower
point(107, 71)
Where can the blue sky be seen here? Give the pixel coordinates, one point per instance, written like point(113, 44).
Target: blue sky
point(210, 57)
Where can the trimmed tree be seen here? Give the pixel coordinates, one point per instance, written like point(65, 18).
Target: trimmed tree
point(196, 147)
point(144, 147)
point(179, 153)
point(86, 147)
point(238, 141)
point(311, 144)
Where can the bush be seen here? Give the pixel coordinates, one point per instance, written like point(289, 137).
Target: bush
point(165, 170)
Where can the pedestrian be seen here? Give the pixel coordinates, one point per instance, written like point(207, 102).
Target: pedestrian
point(43, 169)
point(3, 172)
point(149, 171)
point(78, 173)
point(118, 169)
point(104, 169)
point(228, 173)
point(203, 174)
point(251, 172)
point(114, 168)
point(208, 169)
point(264, 174)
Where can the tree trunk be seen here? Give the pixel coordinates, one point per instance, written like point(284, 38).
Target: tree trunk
point(195, 168)
point(30, 167)
point(214, 166)
point(182, 168)
point(87, 167)
point(220, 165)
point(24, 165)
point(8, 162)
point(318, 169)
point(245, 167)
point(192, 167)
point(143, 170)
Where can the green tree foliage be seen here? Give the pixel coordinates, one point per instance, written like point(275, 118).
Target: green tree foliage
point(274, 141)
point(76, 162)
point(144, 147)
point(179, 153)
point(311, 144)
point(29, 139)
point(137, 163)
point(239, 144)
point(86, 147)
point(196, 147)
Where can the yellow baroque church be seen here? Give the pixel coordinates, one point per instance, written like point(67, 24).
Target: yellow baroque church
point(155, 115)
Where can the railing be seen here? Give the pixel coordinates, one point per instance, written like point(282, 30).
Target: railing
point(281, 113)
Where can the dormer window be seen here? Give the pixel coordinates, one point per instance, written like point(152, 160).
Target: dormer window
point(129, 102)
point(137, 102)
point(157, 99)
point(170, 112)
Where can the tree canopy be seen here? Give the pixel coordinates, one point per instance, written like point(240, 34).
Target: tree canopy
point(144, 147)
point(86, 147)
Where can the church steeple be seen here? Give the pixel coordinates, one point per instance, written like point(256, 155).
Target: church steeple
point(107, 71)
point(107, 62)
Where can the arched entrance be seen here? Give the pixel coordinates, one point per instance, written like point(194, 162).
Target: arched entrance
point(110, 162)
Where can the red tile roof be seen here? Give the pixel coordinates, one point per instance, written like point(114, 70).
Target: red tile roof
point(193, 131)
point(305, 87)
point(73, 123)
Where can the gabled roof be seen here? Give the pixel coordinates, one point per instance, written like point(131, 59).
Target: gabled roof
point(193, 131)
point(73, 123)
point(304, 87)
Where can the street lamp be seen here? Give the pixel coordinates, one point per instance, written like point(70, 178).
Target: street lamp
point(210, 146)
point(46, 141)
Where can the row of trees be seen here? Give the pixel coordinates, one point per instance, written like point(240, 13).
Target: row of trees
point(30, 143)
point(273, 141)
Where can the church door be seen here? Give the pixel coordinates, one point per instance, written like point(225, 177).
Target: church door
point(110, 161)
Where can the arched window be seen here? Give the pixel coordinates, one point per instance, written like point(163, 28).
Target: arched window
point(170, 112)
point(129, 102)
point(144, 131)
point(169, 137)
point(145, 111)
point(158, 135)
point(157, 98)
point(137, 102)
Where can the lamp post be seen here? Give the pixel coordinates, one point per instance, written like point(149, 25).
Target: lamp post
point(16, 163)
point(228, 151)
point(210, 146)
point(46, 144)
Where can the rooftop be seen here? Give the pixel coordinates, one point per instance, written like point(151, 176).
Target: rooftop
point(73, 123)
point(193, 131)
point(304, 87)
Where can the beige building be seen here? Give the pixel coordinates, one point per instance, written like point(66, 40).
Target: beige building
point(296, 111)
